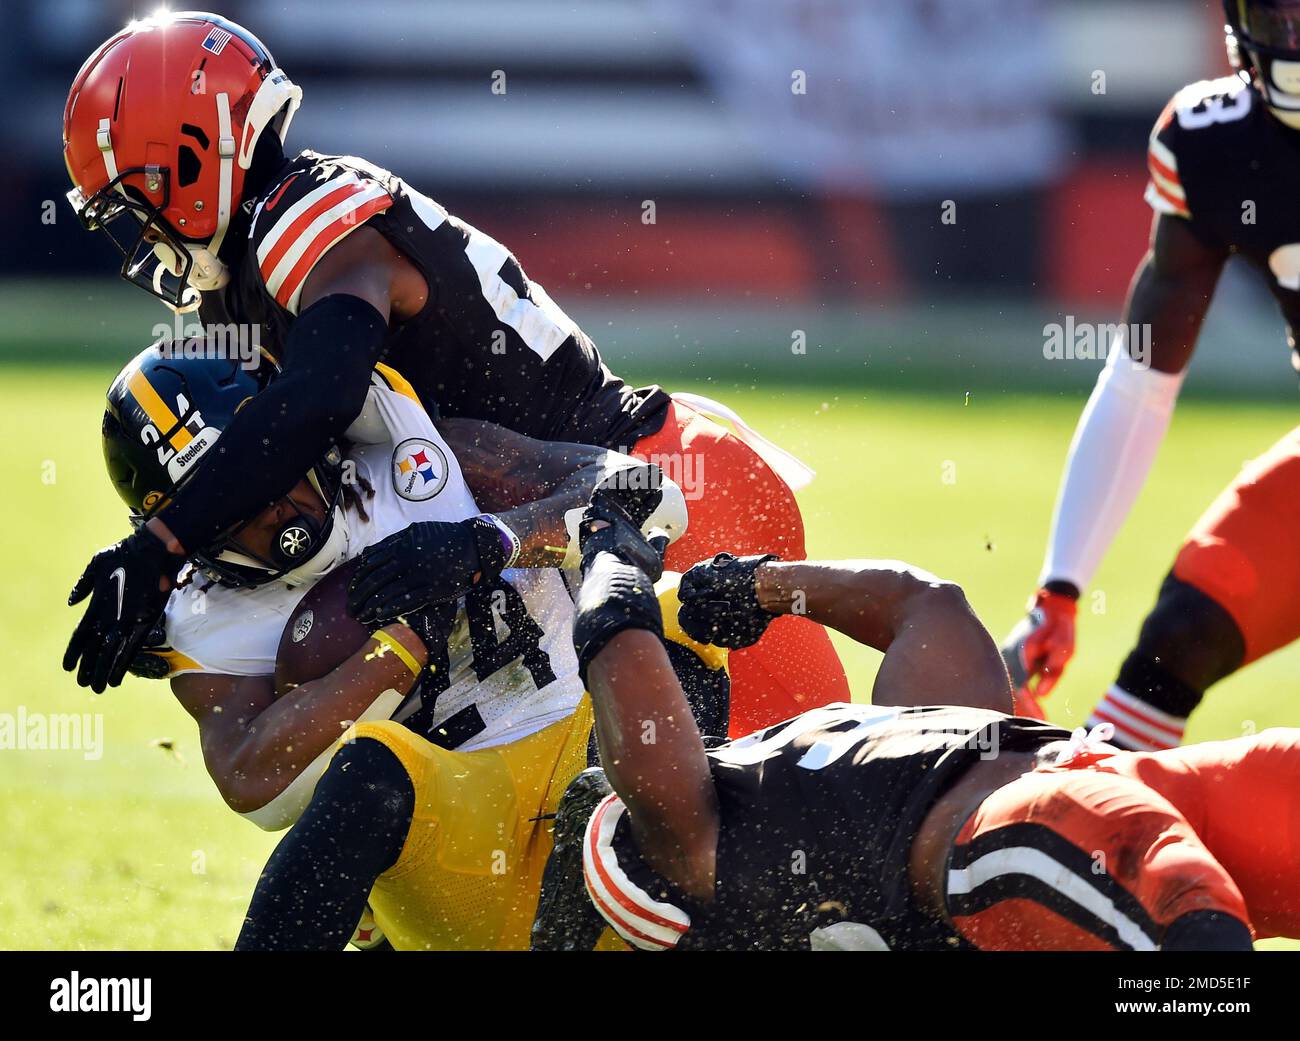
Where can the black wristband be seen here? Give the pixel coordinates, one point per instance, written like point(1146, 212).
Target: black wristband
point(614, 597)
point(487, 540)
point(1061, 587)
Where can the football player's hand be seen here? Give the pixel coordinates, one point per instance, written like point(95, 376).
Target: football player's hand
point(128, 584)
point(148, 664)
point(1041, 645)
point(719, 605)
point(429, 562)
point(433, 624)
point(636, 490)
point(606, 527)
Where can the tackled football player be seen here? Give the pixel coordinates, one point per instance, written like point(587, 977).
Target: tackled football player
point(889, 825)
point(927, 820)
point(491, 674)
point(173, 137)
point(1221, 148)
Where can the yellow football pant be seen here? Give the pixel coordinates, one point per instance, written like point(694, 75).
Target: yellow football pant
point(469, 875)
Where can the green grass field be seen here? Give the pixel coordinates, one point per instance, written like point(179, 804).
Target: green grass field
point(136, 850)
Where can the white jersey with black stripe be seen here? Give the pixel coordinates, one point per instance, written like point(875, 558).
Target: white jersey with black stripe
point(493, 695)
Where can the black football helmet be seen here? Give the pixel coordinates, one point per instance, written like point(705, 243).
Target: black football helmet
point(165, 411)
point(1263, 41)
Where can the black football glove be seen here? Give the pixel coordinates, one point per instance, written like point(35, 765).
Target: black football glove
point(433, 625)
point(719, 605)
point(429, 562)
point(636, 490)
point(606, 527)
point(125, 606)
point(148, 664)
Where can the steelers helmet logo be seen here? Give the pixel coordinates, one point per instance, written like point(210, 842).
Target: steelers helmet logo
point(295, 541)
point(419, 469)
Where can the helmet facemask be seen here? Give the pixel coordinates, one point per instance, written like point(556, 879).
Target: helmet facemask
point(1264, 40)
point(301, 549)
point(197, 127)
point(155, 256)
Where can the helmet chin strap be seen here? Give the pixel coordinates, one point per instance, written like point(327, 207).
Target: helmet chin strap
point(330, 554)
point(1282, 90)
point(209, 273)
point(191, 294)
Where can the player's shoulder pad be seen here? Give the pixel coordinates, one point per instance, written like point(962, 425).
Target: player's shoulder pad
point(318, 203)
point(387, 376)
point(1190, 126)
point(669, 605)
point(391, 403)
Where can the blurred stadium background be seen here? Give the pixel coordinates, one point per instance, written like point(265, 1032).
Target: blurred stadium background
point(558, 126)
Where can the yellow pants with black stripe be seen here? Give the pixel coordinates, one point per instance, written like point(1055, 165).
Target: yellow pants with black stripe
point(469, 874)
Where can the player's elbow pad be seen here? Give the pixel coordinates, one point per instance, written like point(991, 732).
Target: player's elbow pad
point(329, 354)
point(614, 597)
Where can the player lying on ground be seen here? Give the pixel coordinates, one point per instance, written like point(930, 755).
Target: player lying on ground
point(876, 826)
point(1222, 150)
point(413, 828)
point(500, 660)
point(339, 264)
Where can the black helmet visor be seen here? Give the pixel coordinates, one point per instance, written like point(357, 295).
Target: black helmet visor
point(1273, 26)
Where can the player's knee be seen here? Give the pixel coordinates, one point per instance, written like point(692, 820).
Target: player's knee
point(367, 780)
point(1191, 635)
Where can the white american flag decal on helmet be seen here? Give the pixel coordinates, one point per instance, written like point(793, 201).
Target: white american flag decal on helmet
point(216, 40)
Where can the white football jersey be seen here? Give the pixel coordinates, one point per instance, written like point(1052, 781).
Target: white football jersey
point(512, 667)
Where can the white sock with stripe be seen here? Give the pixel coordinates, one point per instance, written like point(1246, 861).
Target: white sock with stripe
point(1138, 725)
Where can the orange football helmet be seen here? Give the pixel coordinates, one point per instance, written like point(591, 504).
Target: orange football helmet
point(159, 132)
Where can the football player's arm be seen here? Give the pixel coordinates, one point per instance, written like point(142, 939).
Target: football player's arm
point(533, 485)
point(331, 348)
point(937, 652)
point(433, 562)
point(255, 744)
point(1128, 414)
point(1117, 438)
point(650, 746)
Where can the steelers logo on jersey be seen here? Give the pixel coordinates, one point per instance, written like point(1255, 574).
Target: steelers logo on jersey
point(419, 469)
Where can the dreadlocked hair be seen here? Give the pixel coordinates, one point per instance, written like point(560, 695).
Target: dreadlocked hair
point(357, 491)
